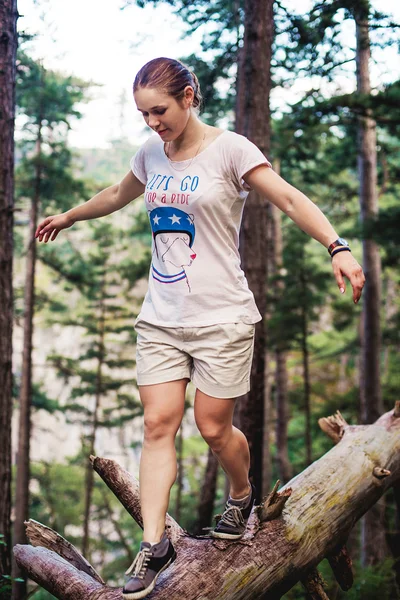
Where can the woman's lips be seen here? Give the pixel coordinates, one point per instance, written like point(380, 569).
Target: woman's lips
point(162, 131)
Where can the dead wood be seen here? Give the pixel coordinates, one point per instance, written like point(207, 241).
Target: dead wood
point(314, 585)
point(313, 515)
point(341, 565)
point(40, 535)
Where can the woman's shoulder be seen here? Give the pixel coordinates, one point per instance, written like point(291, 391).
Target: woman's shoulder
point(232, 139)
point(152, 142)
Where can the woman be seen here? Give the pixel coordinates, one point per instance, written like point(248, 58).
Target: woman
point(198, 317)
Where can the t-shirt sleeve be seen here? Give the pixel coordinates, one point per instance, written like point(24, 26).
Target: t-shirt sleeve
point(245, 156)
point(138, 165)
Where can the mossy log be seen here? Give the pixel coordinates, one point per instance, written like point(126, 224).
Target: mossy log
point(288, 535)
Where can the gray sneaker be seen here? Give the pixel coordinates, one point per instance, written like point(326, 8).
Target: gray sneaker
point(147, 566)
point(232, 523)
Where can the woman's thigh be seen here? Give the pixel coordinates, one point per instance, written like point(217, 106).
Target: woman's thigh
point(213, 413)
point(164, 403)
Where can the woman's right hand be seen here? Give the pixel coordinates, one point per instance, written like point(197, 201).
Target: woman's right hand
point(51, 226)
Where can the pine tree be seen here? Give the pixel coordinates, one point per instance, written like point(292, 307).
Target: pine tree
point(47, 101)
point(8, 47)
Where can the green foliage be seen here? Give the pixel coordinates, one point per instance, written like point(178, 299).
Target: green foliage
point(370, 583)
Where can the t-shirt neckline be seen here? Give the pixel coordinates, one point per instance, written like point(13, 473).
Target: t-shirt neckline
point(177, 162)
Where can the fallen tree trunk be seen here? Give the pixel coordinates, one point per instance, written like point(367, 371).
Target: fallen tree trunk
point(288, 534)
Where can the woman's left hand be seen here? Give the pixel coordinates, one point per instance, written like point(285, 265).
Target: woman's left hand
point(344, 263)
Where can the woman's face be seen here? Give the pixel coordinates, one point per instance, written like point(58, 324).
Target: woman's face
point(163, 113)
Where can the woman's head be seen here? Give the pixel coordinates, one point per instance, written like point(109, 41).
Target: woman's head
point(169, 76)
point(165, 92)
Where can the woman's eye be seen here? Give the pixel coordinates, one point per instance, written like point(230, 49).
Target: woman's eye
point(160, 112)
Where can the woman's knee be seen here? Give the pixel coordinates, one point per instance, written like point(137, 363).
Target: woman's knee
point(157, 427)
point(215, 434)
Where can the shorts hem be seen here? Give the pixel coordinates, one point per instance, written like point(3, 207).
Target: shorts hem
point(165, 378)
point(217, 391)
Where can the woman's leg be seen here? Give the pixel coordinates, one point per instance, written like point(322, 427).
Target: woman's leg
point(163, 405)
point(214, 420)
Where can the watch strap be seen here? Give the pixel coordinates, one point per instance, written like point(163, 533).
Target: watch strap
point(339, 243)
point(340, 249)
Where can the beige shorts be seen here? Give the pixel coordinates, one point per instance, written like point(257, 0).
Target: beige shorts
point(216, 358)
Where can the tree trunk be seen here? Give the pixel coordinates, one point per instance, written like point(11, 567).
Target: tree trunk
point(281, 375)
point(267, 427)
point(373, 547)
point(253, 120)
point(8, 48)
point(25, 397)
point(370, 388)
point(306, 373)
point(92, 439)
point(287, 536)
point(394, 536)
point(207, 494)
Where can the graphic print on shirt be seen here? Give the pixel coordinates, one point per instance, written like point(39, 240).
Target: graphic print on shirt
point(173, 235)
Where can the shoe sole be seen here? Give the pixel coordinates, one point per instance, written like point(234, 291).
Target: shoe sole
point(227, 536)
point(150, 588)
point(232, 536)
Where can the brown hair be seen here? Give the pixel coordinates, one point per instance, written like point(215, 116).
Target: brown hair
point(169, 75)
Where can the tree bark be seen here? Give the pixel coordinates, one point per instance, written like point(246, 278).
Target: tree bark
point(286, 538)
point(92, 439)
point(373, 539)
point(8, 49)
point(370, 388)
point(25, 396)
point(253, 120)
point(281, 375)
point(306, 372)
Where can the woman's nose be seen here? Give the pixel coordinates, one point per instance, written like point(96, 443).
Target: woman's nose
point(154, 122)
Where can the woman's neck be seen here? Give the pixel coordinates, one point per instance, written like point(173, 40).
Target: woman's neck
point(193, 133)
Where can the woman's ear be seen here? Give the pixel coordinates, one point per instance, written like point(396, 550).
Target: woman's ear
point(188, 96)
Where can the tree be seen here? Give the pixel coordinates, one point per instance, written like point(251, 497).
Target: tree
point(253, 120)
point(318, 40)
point(8, 48)
point(287, 536)
point(370, 385)
point(47, 101)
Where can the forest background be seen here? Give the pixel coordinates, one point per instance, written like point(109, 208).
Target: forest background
point(74, 385)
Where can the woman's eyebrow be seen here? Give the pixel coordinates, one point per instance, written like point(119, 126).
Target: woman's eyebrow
point(154, 108)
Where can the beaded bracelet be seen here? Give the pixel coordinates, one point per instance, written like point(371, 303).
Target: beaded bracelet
point(342, 249)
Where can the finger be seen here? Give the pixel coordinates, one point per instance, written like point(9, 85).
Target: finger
point(340, 280)
point(45, 229)
point(48, 234)
point(42, 234)
point(55, 233)
point(357, 281)
point(42, 225)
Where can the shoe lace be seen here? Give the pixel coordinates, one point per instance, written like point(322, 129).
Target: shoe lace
point(233, 516)
point(139, 565)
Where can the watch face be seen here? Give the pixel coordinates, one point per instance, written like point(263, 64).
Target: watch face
point(343, 242)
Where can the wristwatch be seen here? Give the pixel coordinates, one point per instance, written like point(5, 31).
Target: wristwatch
point(339, 242)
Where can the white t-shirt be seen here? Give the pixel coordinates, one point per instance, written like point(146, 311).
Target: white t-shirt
point(195, 214)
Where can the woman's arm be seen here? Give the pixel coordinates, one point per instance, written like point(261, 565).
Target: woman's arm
point(310, 219)
point(104, 203)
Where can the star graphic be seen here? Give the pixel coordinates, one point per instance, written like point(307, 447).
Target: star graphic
point(156, 219)
point(175, 219)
